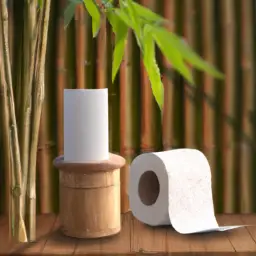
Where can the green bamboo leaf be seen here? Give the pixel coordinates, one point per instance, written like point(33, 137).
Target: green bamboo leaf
point(147, 14)
point(173, 56)
point(174, 41)
point(122, 4)
point(113, 19)
point(124, 17)
point(93, 10)
point(149, 60)
point(121, 31)
point(134, 18)
point(70, 11)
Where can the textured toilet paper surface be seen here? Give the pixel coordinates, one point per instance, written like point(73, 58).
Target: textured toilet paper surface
point(185, 193)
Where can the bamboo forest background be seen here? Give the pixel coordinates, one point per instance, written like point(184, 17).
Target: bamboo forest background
point(217, 117)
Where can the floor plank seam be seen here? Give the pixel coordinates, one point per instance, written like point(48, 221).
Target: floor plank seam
point(131, 230)
point(233, 246)
point(248, 230)
point(166, 242)
point(48, 236)
point(75, 247)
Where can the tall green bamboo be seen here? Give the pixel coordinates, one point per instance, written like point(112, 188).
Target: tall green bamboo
point(23, 155)
point(6, 142)
point(38, 98)
point(29, 49)
point(6, 81)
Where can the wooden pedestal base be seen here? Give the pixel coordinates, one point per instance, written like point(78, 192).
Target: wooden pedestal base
point(90, 197)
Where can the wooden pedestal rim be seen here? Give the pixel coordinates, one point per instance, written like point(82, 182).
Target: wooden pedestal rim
point(114, 162)
point(90, 197)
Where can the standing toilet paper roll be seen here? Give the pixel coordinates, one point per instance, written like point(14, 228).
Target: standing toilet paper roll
point(173, 188)
point(86, 125)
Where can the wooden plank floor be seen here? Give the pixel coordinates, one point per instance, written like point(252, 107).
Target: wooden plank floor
point(136, 237)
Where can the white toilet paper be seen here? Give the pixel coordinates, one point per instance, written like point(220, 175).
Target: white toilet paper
point(86, 125)
point(173, 188)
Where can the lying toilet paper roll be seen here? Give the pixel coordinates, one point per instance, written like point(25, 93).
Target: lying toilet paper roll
point(174, 188)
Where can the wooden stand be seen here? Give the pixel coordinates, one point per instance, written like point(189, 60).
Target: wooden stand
point(90, 197)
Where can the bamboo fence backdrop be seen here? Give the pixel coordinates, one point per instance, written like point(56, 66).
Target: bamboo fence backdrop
point(217, 117)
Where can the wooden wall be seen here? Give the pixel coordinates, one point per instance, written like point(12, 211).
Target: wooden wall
point(217, 117)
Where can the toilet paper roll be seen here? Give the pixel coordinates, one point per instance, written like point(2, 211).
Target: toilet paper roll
point(173, 188)
point(86, 125)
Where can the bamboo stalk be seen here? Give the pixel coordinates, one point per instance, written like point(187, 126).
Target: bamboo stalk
point(12, 183)
point(178, 89)
point(20, 232)
point(43, 166)
point(5, 44)
point(80, 28)
point(36, 116)
point(46, 175)
point(41, 161)
point(189, 97)
point(30, 39)
point(147, 145)
point(248, 87)
point(124, 125)
point(113, 108)
point(84, 45)
point(5, 137)
point(102, 56)
point(228, 55)
point(103, 77)
point(6, 146)
point(167, 127)
point(90, 58)
point(62, 82)
point(2, 166)
point(8, 159)
point(150, 141)
point(10, 28)
point(129, 116)
point(70, 57)
point(209, 92)
point(61, 75)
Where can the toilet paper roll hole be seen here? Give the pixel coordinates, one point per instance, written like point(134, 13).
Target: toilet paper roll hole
point(149, 188)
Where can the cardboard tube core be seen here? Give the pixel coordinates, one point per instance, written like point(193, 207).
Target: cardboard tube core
point(149, 188)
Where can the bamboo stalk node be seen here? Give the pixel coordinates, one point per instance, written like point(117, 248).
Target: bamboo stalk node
point(16, 191)
point(90, 197)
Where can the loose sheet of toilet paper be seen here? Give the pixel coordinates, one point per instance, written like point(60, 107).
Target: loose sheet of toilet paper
point(86, 125)
point(185, 192)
